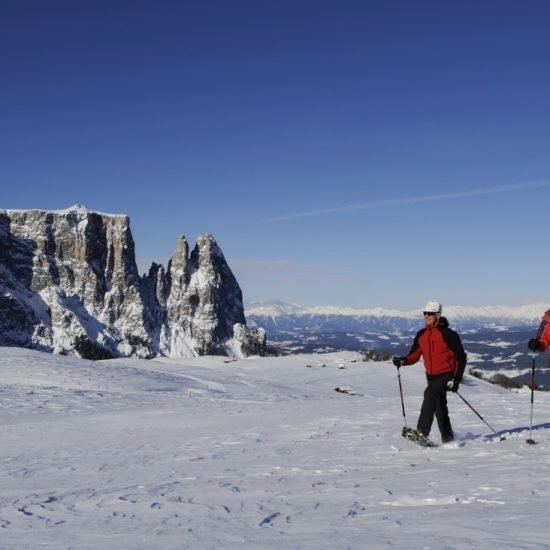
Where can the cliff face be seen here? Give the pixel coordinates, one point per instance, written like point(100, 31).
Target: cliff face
point(69, 284)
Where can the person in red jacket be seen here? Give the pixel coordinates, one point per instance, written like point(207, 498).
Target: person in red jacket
point(444, 361)
point(542, 341)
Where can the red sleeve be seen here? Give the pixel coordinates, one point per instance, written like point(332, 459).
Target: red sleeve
point(416, 353)
point(545, 337)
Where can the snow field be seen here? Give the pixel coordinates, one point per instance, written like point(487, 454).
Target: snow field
point(259, 453)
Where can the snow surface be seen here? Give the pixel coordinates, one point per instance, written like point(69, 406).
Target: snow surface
point(262, 453)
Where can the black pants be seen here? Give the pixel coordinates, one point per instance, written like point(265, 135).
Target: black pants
point(435, 403)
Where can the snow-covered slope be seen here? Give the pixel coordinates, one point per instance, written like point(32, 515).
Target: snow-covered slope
point(259, 453)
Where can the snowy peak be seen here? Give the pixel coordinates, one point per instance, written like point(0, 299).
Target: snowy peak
point(78, 208)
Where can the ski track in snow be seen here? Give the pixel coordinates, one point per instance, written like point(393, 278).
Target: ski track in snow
point(262, 453)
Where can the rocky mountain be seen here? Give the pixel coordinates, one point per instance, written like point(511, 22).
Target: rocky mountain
point(69, 284)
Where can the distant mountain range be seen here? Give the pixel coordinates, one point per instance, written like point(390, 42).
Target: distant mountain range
point(277, 316)
point(495, 337)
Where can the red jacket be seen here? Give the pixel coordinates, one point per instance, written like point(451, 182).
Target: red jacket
point(441, 349)
point(543, 334)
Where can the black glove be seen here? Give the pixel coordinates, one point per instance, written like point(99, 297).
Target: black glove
point(398, 361)
point(533, 344)
point(452, 385)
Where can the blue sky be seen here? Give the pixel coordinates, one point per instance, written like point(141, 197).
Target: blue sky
point(362, 153)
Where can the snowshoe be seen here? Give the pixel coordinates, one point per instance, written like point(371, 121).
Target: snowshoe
point(416, 436)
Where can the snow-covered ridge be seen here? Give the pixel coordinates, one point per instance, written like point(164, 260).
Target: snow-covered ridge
point(75, 208)
point(274, 309)
point(280, 318)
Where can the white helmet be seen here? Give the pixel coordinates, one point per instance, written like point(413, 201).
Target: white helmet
point(432, 307)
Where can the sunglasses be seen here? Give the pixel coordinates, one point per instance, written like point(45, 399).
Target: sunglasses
point(429, 313)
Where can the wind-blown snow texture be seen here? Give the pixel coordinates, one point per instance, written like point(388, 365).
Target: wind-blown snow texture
point(259, 453)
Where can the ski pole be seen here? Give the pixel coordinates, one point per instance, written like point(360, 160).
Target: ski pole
point(401, 393)
point(481, 417)
point(531, 441)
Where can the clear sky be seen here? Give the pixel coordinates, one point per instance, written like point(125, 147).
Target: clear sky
point(362, 153)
